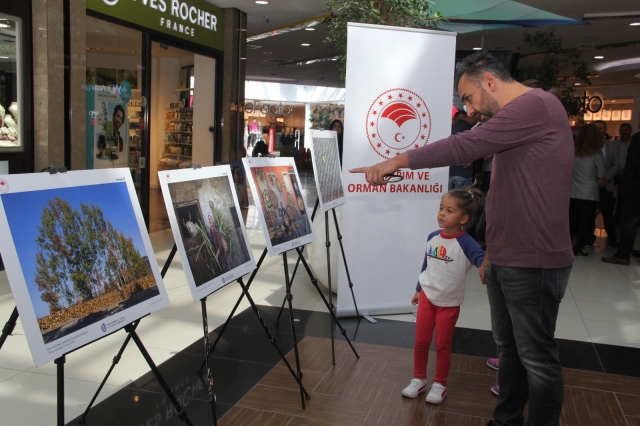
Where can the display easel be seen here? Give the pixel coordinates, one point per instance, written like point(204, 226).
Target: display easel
point(130, 329)
point(344, 258)
point(288, 298)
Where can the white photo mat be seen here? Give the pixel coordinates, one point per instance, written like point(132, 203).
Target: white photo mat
point(289, 224)
point(191, 196)
point(61, 312)
point(326, 166)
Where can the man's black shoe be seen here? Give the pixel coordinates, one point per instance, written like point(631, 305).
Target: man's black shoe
point(615, 260)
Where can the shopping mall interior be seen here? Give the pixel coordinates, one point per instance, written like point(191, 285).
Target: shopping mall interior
point(205, 94)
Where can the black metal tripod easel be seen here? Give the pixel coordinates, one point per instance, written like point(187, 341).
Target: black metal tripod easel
point(344, 258)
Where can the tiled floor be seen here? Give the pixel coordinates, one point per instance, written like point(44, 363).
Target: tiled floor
point(599, 328)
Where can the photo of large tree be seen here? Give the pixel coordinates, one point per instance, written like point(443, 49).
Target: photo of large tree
point(81, 256)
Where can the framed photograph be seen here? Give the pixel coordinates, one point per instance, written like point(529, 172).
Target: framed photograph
point(606, 115)
point(588, 116)
point(207, 226)
point(326, 165)
point(615, 115)
point(276, 189)
point(81, 265)
point(597, 115)
point(626, 115)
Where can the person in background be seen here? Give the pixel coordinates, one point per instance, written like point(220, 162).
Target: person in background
point(463, 175)
point(623, 146)
point(339, 129)
point(260, 149)
point(588, 177)
point(630, 194)
point(607, 201)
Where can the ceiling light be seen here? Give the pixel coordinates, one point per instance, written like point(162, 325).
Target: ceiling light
point(635, 24)
point(577, 84)
point(261, 2)
point(477, 48)
point(4, 57)
point(613, 100)
point(243, 59)
point(3, 25)
point(305, 44)
point(309, 29)
point(610, 15)
point(334, 59)
point(598, 57)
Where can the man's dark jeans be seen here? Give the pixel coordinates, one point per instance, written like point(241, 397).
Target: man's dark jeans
point(629, 227)
point(524, 308)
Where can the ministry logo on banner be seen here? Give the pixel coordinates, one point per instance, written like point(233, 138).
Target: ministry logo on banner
point(398, 120)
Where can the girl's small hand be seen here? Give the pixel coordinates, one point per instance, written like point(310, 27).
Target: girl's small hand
point(415, 298)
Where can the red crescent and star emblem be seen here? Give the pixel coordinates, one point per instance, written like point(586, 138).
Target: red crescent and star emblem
point(398, 120)
point(4, 186)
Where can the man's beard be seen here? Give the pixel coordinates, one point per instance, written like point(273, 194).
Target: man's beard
point(489, 106)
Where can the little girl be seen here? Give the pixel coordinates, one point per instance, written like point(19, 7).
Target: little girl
point(440, 290)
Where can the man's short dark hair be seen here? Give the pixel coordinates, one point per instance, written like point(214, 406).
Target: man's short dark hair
point(477, 65)
point(626, 125)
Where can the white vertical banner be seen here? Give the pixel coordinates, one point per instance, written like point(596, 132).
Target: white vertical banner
point(398, 97)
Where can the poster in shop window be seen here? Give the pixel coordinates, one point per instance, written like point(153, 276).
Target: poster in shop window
point(107, 122)
point(207, 226)
point(78, 257)
point(275, 187)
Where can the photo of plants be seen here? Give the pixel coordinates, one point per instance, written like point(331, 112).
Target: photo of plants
point(81, 253)
point(210, 227)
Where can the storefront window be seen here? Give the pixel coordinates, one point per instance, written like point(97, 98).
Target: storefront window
point(11, 135)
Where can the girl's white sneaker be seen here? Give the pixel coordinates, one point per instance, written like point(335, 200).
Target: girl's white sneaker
point(437, 393)
point(416, 387)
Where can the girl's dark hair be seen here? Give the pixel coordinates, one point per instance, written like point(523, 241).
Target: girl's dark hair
point(469, 200)
point(589, 141)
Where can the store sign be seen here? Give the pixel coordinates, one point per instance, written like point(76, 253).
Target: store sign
point(194, 20)
point(265, 109)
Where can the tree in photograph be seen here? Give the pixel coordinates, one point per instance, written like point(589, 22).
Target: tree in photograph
point(81, 255)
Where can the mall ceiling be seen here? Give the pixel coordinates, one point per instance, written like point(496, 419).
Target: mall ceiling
point(282, 58)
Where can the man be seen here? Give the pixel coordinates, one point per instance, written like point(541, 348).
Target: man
point(623, 146)
point(630, 194)
point(607, 201)
point(528, 246)
point(462, 176)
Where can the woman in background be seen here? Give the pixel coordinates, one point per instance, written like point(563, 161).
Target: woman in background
point(587, 179)
point(339, 129)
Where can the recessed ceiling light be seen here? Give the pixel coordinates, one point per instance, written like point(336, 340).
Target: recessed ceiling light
point(577, 84)
point(3, 25)
point(477, 48)
point(4, 57)
point(635, 24)
point(305, 44)
point(613, 100)
point(261, 2)
point(243, 59)
point(334, 59)
point(598, 57)
point(309, 29)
